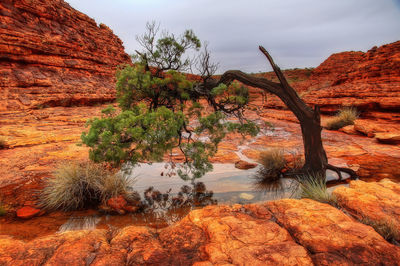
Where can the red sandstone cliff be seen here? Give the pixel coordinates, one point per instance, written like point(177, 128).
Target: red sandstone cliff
point(52, 54)
point(369, 81)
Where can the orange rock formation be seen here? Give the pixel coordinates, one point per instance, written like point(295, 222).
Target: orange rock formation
point(284, 232)
point(54, 55)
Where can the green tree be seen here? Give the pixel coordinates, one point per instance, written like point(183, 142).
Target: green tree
point(161, 108)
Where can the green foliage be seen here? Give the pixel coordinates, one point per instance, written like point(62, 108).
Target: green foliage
point(345, 117)
point(80, 185)
point(387, 229)
point(314, 187)
point(162, 109)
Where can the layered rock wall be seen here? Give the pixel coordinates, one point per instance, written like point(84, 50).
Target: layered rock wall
point(369, 81)
point(54, 55)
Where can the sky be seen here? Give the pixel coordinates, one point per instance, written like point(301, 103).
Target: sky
point(297, 33)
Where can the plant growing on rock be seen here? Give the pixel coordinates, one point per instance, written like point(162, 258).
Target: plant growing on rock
point(387, 229)
point(163, 109)
point(314, 188)
point(271, 171)
point(274, 166)
point(344, 117)
point(81, 185)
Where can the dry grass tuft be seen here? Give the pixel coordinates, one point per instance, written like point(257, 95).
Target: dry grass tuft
point(269, 176)
point(345, 117)
point(81, 185)
point(314, 187)
point(387, 229)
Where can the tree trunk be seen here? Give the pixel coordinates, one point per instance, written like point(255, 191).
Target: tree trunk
point(316, 161)
point(315, 156)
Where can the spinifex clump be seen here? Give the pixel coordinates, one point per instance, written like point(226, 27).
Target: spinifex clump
point(81, 185)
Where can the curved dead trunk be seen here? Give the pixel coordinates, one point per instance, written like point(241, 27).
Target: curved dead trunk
point(316, 161)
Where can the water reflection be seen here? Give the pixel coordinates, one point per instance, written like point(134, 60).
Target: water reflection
point(166, 208)
point(80, 223)
point(156, 209)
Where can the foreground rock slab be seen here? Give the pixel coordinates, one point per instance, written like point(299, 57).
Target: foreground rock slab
point(283, 232)
point(379, 202)
point(332, 237)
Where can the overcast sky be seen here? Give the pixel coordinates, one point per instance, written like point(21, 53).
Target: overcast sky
point(297, 33)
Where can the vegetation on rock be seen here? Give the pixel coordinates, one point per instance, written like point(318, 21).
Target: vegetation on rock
point(344, 117)
point(315, 188)
point(161, 109)
point(387, 229)
point(80, 185)
point(269, 175)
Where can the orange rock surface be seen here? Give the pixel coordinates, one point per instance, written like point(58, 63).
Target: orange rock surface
point(54, 55)
point(379, 202)
point(41, 139)
point(283, 232)
point(369, 81)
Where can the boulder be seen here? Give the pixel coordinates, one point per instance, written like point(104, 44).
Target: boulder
point(243, 165)
point(375, 201)
point(388, 138)
point(119, 204)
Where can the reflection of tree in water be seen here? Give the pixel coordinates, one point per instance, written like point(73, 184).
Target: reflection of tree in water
point(160, 209)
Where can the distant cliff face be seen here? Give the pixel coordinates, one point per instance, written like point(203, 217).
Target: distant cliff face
point(368, 80)
point(52, 55)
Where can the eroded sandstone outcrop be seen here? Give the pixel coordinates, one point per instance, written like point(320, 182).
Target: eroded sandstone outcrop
point(378, 202)
point(283, 232)
point(369, 81)
point(54, 55)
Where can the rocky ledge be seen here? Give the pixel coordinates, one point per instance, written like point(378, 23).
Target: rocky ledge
point(283, 232)
point(54, 55)
point(369, 81)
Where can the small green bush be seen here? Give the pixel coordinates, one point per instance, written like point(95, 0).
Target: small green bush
point(269, 176)
point(81, 185)
point(314, 187)
point(387, 229)
point(345, 117)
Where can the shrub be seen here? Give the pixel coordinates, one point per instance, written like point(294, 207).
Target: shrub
point(345, 117)
point(314, 187)
point(387, 229)
point(82, 185)
point(269, 176)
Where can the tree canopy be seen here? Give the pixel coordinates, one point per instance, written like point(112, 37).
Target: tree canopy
point(163, 109)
